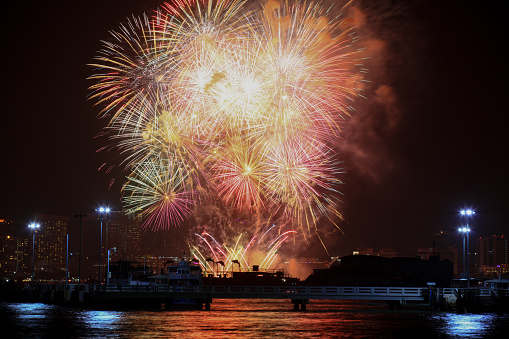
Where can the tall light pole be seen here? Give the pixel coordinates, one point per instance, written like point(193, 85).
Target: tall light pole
point(67, 260)
point(81, 216)
point(108, 272)
point(34, 227)
point(102, 211)
point(466, 230)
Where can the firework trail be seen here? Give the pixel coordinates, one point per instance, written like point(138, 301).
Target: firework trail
point(261, 251)
point(207, 98)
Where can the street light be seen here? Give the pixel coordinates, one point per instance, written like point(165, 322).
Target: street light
point(466, 230)
point(108, 273)
point(81, 216)
point(467, 212)
point(101, 211)
point(33, 227)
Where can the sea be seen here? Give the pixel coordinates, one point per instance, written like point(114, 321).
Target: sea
point(229, 318)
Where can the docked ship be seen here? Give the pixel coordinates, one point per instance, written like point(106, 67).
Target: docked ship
point(184, 273)
point(169, 289)
point(181, 275)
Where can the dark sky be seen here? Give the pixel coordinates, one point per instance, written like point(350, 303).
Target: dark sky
point(428, 140)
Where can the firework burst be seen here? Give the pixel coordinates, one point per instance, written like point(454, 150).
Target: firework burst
point(157, 188)
point(206, 96)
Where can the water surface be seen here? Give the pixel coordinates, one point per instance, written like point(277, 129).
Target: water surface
point(249, 319)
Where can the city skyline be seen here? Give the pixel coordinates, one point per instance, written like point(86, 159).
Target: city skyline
point(427, 141)
point(46, 261)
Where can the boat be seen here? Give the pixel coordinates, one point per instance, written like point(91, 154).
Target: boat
point(180, 276)
point(184, 273)
point(159, 291)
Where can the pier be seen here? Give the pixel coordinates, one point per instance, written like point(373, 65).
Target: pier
point(153, 296)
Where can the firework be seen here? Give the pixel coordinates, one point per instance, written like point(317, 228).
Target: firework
point(260, 251)
point(130, 68)
point(157, 188)
point(205, 96)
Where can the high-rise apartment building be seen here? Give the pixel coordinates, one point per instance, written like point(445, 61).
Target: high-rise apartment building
point(51, 243)
point(6, 253)
point(14, 252)
point(124, 233)
point(22, 266)
point(491, 252)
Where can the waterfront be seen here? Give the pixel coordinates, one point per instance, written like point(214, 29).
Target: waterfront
point(249, 319)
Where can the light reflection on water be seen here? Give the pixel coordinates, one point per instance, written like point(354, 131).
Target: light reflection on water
point(31, 313)
point(249, 319)
point(108, 320)
point(468, 325)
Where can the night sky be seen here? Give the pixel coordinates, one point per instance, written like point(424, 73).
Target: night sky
point(428, 140)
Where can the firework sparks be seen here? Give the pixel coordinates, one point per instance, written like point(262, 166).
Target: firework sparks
point(257, 250)
point(242, 104)
point(157, 188)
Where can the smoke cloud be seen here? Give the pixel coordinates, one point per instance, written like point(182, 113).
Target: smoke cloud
point(367, 134)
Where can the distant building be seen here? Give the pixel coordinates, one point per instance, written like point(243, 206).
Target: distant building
point(124, 234)
point(51, 246)
point(22, 257)
point(363, 251)
point(14, 252)
point(387, 253)
point(384, 252)
point(299, 267)
point(491, 252)
point(313, 262)
point(6, 249)
point(443, 246)
point(494, 271)
point(5, 226)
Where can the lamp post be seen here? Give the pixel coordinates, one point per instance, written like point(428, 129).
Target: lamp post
point(101, 211)
point(34, 227)
point(108, 273)
point(81, 216)
point(466, 230)
point(67, 261)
